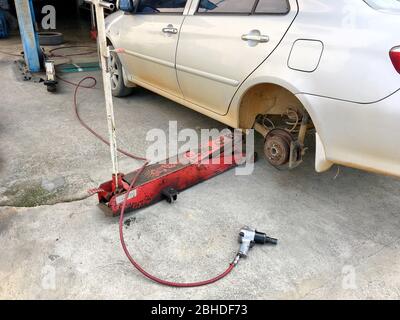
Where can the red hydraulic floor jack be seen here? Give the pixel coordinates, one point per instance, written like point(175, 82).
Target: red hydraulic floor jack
point(163, 181)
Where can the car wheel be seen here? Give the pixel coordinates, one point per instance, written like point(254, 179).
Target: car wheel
point(117, 78)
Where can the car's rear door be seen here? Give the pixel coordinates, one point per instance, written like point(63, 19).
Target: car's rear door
point(150, 37)
point(222, 41)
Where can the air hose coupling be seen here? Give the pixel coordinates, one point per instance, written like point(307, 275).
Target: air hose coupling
point(236, 260)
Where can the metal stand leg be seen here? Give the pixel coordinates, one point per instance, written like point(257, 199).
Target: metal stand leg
point(105, 58)
point(30, 39)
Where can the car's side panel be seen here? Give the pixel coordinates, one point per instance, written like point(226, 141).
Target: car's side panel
point(355, 64)
point(229, 121)
point(149, 52)
point(114, 34)
point(364, 136)
point(345, 95)
point(213, 59)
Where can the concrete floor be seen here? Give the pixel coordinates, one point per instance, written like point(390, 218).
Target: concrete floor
point(338, 236)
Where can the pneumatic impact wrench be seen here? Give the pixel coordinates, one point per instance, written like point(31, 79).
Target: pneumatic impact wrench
point(249, 237)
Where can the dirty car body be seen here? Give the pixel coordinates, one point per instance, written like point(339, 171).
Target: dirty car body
point(247, 62)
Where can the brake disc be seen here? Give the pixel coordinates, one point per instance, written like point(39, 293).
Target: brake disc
point(277, 147)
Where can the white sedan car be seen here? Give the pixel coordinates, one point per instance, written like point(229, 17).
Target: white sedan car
point(282, 67)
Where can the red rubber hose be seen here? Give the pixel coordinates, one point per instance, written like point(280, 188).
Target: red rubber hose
point(121, 218)
point(144, 272)
point(93, 50)
point(85, 53)
point(79, 85)
point(11, 54)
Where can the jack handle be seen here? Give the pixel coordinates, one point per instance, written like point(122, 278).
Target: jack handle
point(103, 4)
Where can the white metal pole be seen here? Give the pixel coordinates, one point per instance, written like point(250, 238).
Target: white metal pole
point(105, 58)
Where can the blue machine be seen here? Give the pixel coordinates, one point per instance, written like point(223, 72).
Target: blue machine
point(29, 36)
point(126, 5)
point(3, 25)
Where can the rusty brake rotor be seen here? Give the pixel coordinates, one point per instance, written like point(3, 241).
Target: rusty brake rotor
point(277, 147)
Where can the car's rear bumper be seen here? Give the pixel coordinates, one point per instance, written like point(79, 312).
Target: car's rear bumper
point(365, 136)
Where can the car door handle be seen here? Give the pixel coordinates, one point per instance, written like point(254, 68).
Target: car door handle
point(170, 29)
point(255, 38)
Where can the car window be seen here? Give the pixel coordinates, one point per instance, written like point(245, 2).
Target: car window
point(243, 6)
point(273, 6)
point(226, 6)
point(161, 6)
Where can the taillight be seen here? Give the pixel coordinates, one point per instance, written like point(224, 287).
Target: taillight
point(395, 56)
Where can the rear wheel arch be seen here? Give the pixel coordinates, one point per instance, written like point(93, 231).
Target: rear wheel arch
point(265, 98)
point(274, 99)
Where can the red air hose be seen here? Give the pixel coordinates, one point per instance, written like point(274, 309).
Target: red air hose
point(144, 272)
point(85, 53)
point(94, 82)
point(121, 219)
point(11, 54)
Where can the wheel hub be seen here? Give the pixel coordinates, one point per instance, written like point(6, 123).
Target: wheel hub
point(277, 147)
point(114, 72)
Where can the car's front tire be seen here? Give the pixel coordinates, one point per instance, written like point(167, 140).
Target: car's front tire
point(119, 89)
